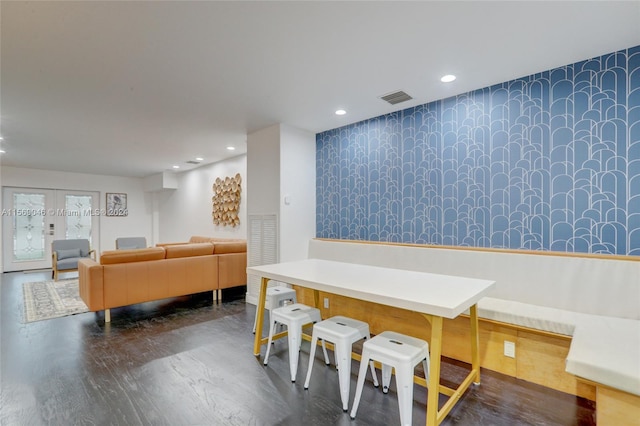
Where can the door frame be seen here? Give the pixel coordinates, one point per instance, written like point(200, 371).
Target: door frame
point(54, 213)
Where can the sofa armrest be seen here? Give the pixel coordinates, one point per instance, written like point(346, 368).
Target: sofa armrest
point(91, 284)
point(232, 270)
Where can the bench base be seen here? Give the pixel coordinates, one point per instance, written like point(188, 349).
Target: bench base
point(540, 356)
point(614, 407)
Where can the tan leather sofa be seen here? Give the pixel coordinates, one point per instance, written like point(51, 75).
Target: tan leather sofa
point(201, 239)
point(127, 277)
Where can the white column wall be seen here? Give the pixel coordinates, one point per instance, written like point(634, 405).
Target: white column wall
point(281, 163)
point(263, 174)
point(1, 231)
point(263, 171)
point(298, 187)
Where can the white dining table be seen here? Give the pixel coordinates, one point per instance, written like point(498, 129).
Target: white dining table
point(434, 296)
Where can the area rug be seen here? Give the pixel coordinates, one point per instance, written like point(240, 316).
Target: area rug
point(50, 299)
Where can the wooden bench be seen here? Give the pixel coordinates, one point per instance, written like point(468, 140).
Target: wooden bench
point(574, 319)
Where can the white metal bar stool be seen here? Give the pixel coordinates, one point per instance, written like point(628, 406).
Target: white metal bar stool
point(276, 297)
point(294, 317)
point(343, 332)
point(401, 352)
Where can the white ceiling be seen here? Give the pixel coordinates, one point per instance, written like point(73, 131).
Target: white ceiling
point(131, 88)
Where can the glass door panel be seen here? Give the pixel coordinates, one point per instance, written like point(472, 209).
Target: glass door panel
point(33, 218)
point(27, 228)
point(78, 218)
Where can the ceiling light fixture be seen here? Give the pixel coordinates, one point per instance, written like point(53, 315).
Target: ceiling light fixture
point(176, 167)
point(2, 151)
point(199, 158)
point(448, 78)
point(1, 138)
point(231, 148)
point(341, 112)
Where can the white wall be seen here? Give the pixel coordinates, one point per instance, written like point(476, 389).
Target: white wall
point(298, 187)
point(263, 171)
point(138, 221)
point(1, 231)
point(186, 211)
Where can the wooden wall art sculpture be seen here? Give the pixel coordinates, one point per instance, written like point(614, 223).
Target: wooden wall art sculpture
point(226, 201)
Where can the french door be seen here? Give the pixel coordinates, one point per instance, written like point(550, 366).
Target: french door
point(32, 218)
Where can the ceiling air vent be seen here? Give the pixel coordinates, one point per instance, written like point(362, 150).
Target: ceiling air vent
point(193, 162)
point(396, 97)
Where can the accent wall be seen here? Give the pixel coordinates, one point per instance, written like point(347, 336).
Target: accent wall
point(547, 162)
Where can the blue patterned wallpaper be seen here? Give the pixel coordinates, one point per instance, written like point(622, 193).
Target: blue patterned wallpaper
point(546, 162)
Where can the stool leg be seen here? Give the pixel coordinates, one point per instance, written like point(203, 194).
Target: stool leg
point(373, 374)
point(312, 355)
point(372, 365)
point(425, 365)
point(343, 354)
point(295, 331)
point(362, 372)
point(326, 355)
point(272, 327)
point(386, 377)
point(404, 383)
point(255, 321)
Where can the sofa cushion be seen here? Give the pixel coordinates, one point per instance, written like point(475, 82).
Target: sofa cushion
point(137, 255)
point(68, 263)
point(68, 253)
point(230, 247)
point(189, 250)
point(199, 239)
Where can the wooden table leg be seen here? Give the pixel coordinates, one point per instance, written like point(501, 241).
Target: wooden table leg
point(435, 349)
point(475, 343)
point(260, 316)
point(316, 299)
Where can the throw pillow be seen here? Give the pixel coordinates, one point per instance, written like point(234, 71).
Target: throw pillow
point(68, 253)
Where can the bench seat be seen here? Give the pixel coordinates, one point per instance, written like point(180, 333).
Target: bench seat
point(526, 315)
point(604, 350)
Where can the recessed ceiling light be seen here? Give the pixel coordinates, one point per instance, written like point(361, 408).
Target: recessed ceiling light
point(199, 158)
point(1, 138)
point(2, 151)
point(176, 167)
point(448, 78)
point(231, 148)
point(341, 112)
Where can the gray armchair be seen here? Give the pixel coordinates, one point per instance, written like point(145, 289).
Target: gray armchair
point(125, 243)
point(66, 254)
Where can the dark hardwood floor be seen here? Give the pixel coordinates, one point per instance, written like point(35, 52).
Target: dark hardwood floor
point(186, 361)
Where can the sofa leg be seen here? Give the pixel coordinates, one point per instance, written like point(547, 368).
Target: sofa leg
point(107, 315)
point(220, 295)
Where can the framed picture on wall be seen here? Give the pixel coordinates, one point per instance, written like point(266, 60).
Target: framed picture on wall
point(117, 204)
